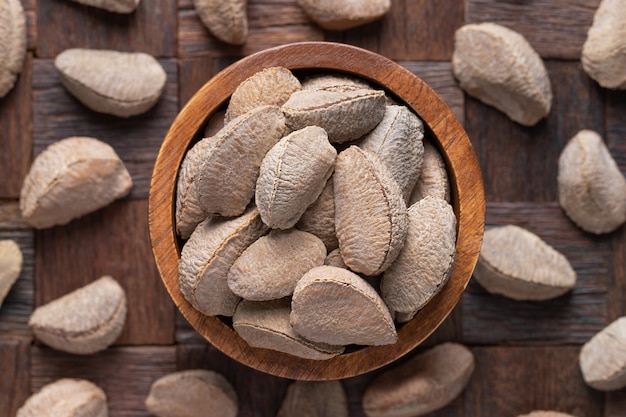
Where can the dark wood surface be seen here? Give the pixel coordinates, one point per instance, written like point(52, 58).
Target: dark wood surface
point(526, 353)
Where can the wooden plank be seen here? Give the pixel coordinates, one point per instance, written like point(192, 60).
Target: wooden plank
point(30, 9)
point(112, 241)
point(616, 126)
point(556, 29)
point(15, 381)
point(63, 24)
point(195, 72)
point(615, 404)
point(136, 139)
point(124, 373)
point(521, 163)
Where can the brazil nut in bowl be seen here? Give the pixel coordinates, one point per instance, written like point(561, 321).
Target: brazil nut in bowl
point(316, 211)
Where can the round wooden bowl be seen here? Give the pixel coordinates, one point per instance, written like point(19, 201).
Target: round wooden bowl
point(464, 174)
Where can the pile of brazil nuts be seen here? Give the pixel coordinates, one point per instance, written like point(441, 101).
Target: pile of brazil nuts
point(316, 216)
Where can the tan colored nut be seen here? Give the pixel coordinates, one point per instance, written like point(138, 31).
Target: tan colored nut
point(209, 254)
point(370, 213)
point(332, 82)
point(192, 393)
point(592, 189)
point(315, 399)
point(319, 217)
point(115, 6)
point(66, 398)
point(335, 259)
point(266, 325)
point(344, 115)
point(10, 266)
point(433, 179)
point(270, 267)
point(499, 67)
point(226, 19)
point(425, 263)
point(13, 51)
point(604, 51)
point(271, 86)
point(71, 178)
point(230, 169)
point(397, 141)
point(518, 264)
point(344, 14)
point(215, 124)
point(84, 321)
point(428, 382)
point(546, 414)
point(293, 175)
point(603, 358)
point(123, 84)
point(335, 306)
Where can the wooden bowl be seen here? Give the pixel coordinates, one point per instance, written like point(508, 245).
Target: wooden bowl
point(464, 174)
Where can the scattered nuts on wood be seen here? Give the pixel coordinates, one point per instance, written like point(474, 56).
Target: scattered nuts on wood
point(115, 6)
point(546, 414)
point(66, 398)
point(319, 217)
point(315, 399)
point(84, 321)
point(499, 67)
point(344, 14)
point(13, 51)
point(428, 382)
point(603, 358)
point(433, 179)
point(70, 178)
point(10, 266)
point(591, 187)
point(604, 51)
point(192, 393)
point(518, 264)
point(225, 19)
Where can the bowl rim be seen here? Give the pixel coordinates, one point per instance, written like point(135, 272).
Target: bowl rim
point(464, 176)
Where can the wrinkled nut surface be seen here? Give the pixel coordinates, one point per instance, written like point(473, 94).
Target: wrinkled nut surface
point(335, 306)
point(209, 254)
point(270, 267)
point(84, 321)
point(499, 67)
point(315, 399)
point(370, 212)
point(116, 6)
point(191, 393)
point(332, 82)
point(334, 259)
point(10, 266)
point(319, 217)
point(66, 398)
point(123, 84)
point(225, 19)
point(71, 178)
point(604, 51)
point(344, 14)
point(546, 414)
point(591, 187)
point(603, 358)
point(13, 51)
point(293, 175)
point(265, 324)
point(426, 383)
point(424, 265)
point(433, 179)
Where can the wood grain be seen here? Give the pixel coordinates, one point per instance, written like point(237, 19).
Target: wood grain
point(15, 381)
point(196, 71)
point(30, 9)
point(615, 403)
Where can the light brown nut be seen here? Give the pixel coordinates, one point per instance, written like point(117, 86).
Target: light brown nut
point(115, 6)
point(604, 50)
point(271, 86)
point(518, 264)
point(428, 382)
point(603, 358)
point(66, 398)
point(192, 393)
point(230, 169)
point(370, 213)
point(335, 306)
point(546, 414)
point(397, 141)
point(13, 51)
point(71, 178)
point(425, 263)
point(319, 217)
point(215, 124)
point(270, 267)
point(335, 259)
point(226, 19)
point(293, 175)
point(315, 399)
point(10, 266)
point(499, 67)
point(123, 84)
point(433, 179)
point(265, 324)
point(333, 82)
point(344, 14)
point(592, 189)
point(209, 254)
point(84, 321)
point(344, 115)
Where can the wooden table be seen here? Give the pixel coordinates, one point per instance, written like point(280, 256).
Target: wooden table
point(526, 352)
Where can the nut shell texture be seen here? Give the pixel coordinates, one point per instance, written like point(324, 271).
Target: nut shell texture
point(10, 266)
point(319, 217)
point(66, 398)
point(603, 358)
point(499, 67)
point(13, 50)
point(315, 399)
point(116, 6)
point(71, 178)
point(433, 179)
point(344, 14)
point(226, 19)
